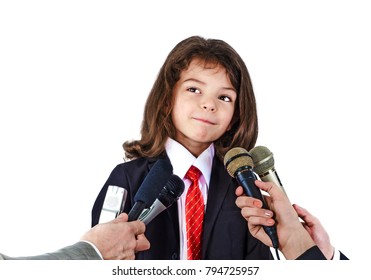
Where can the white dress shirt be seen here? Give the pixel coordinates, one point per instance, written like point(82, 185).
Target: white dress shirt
point(181, 160)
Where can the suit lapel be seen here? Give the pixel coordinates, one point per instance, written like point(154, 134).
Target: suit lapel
point(219, 182)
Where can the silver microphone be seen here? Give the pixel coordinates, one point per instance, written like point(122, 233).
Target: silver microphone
point(264, 165)
point(113, 204)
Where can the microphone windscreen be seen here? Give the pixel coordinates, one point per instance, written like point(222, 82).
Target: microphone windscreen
point(263, 159)
point(171, 191)
point(236, 158)
point(154, 182)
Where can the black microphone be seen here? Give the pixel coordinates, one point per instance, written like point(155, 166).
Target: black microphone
point(239, 164)
point(151, 187)
point(264, 165)
point(168, 195)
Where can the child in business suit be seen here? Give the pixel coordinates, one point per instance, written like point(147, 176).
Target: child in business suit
point(201, 105)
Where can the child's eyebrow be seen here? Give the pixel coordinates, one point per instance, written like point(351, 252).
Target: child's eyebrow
point(194, 80)
point(203, 83)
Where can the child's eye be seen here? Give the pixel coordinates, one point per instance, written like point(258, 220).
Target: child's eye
point(193, 89)
point(225, 98)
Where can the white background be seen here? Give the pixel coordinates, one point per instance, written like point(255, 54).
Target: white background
point(74, 76)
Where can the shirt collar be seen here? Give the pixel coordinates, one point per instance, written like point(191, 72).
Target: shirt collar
point(181, 159)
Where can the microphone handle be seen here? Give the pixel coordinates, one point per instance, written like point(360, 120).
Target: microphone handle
point(272, 176)
point(246, 178)
point(135, 212)
point(149, 214)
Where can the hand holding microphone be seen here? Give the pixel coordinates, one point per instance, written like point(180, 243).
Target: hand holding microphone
point(239, 164)
point(294, 240)
point(289, 236)
point(292, 237)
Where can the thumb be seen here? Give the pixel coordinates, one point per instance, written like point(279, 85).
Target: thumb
point(123, 217)
point(269, 187)
point(304, 214)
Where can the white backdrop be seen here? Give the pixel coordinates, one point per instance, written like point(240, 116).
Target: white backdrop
point(74, 76)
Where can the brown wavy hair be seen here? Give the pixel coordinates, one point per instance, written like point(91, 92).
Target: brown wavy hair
point(157, 124)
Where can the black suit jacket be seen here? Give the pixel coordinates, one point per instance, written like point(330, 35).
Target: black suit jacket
point(225, 232)
point(315, 253)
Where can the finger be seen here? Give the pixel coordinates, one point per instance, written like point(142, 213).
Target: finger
point(248, 212)
point(265, 186)
point(307, 217)
point(271, 188)
point(142, 243)
point(139, 227)
point(246, 201)
point(239, 191)
point(260, 221)
point(123, 217)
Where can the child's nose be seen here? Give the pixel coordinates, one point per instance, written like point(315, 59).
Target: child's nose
point(211, 108)
point(209, 105)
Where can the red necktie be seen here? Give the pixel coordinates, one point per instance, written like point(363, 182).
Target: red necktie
point(194, 214)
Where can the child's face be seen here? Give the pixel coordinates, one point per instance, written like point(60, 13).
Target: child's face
point(204, 102)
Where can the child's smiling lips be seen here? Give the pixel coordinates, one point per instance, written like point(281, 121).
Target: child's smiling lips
point(204, 120)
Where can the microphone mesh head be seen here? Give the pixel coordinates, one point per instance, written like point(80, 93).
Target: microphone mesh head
point(236, 158)
point(172, 191)
point(263, 159)
point(175, 186)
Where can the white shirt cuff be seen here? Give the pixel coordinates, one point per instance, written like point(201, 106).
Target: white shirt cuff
point(336, 256)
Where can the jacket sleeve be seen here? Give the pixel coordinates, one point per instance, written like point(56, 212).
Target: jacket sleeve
point(313, 253)
point(78, 251)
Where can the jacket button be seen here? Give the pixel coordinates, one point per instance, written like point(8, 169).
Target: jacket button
point(174, 256)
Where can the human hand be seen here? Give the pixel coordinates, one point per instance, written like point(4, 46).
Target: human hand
point(316, 231)
point(118, 239)
point(293, 238)
point(251, 210)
